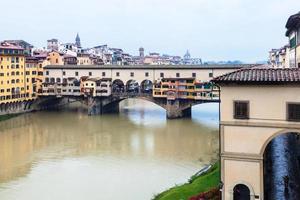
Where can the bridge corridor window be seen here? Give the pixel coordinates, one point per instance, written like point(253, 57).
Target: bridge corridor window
point(117, 73)
point(241, 109)
point(90, 73)
point(162, 75)
point(132, 74)
point(194, 75)
point(76, 73)
point(293, 111)
point(211, 75)
point(146, 74)
point(103, 73)
point(64, 73)
point(177, 75)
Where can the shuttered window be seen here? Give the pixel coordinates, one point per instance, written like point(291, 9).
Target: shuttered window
point(293, 112)
point(293, 42)
point(241, 109)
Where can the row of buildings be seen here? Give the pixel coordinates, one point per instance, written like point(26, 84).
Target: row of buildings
point(288, 56)
point(167, 88)
point(105, 55)
point(21, 64)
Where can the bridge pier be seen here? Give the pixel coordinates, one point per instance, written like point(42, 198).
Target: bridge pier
point(175, 110)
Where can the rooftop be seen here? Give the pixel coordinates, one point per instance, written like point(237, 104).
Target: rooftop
point(260, 76)
point(149, 66)
point(292, 23)
point(5, 45)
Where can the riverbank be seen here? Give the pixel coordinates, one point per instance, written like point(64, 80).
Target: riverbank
point(8, 116)
point(199, 183)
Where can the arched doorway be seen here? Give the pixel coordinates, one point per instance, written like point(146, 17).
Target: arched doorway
point(281, 173)
point(132, 86)
point(117, 86)
point(146, 86)
point(241, 192)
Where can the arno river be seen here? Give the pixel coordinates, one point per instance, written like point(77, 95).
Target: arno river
point(67, 155)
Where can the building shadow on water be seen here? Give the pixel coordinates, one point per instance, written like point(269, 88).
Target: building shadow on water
point(282, 168)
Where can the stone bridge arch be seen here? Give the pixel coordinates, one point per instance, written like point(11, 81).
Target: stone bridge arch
point(132, 86)
point(174, 108)
point(118, 86)
point(274, 135)
point(146, 86)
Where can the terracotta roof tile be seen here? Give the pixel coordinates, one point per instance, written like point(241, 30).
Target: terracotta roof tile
point(261, 75)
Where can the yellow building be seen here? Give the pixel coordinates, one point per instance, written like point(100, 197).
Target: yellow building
point(12, 68)
point(55, 58)
point(34, 77)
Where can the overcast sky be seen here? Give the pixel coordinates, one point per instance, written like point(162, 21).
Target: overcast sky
point(211, 29)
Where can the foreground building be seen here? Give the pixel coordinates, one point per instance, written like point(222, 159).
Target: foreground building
point(257, 105)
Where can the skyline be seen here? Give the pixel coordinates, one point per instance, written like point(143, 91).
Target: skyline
point(209, 30)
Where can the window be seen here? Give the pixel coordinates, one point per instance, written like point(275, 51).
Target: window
point(76, 73)
point(132, 74)
point(293, 111)
point(117, 73)
point(211, 75)
point(293, 42)
point(47, 72)
point(103, 73)
point(90, 73)
point(146, 74)
point(177, 75)
point(64, 73)
point(161, 75)
point(241, 110)
point(298, 36)
point(194, 75)
point(56, 60)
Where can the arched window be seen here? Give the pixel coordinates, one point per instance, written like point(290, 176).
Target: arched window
point(241, 192)
point(58, 80)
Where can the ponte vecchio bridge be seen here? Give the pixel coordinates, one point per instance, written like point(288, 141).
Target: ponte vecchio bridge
point(175, 88)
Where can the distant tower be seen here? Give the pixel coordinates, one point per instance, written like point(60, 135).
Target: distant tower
point(141, 50)
point(77, 41)
point(187, 55)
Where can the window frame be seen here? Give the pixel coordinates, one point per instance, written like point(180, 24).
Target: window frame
point(248, 110)
point(287, 111)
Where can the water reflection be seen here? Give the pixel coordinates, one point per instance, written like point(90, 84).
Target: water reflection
point(69, 155)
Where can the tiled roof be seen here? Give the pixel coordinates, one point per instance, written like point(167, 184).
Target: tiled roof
point(5, 45)
point(260, 75)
